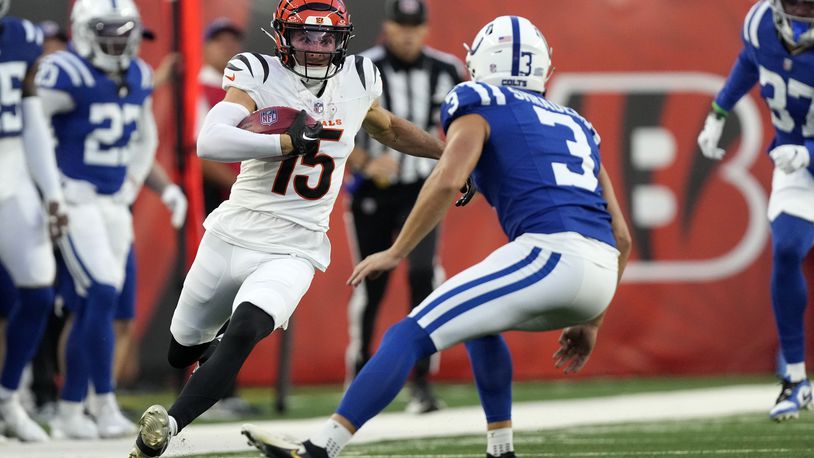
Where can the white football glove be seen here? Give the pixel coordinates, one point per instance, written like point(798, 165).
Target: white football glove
point(176, 202)
point(709, 136)
point(790, 158)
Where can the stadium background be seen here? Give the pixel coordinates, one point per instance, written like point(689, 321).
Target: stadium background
point(696, 297)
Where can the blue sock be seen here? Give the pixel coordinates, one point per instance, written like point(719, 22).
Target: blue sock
point(384, 375)
point(792, 239)
point(492, 366)
point(8, 293)
point(75, 382)
point(99, 335)
point(25, 327)
point(89, 352)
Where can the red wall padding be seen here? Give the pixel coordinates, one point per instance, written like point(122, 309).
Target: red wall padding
point(664, 326)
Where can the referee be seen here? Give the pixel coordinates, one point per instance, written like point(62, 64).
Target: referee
point(416, 79)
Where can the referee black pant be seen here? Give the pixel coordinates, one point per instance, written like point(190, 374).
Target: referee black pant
point(378, 215)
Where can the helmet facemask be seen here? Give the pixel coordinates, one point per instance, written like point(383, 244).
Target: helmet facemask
point(4, 6)
point(312, 39)
point(794, 20)
point(109, 37)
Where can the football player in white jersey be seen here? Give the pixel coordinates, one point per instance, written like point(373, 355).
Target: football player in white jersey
point(26, 152)
point(263, 245)
point(99, 97)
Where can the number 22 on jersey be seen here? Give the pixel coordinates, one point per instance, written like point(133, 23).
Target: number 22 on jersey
point(112, 121)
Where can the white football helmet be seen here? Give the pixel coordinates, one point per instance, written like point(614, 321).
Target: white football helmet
point(510, 51)
point(794, 19)
point(4, 6)
point(107, 33)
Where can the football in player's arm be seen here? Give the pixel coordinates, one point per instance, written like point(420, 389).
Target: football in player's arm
point(262, 245)
point(221, 122)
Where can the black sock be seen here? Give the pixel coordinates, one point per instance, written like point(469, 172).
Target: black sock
point(207, 385)
point(181, 356)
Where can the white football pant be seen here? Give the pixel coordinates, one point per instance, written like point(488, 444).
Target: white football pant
point(538, 282)
point(100, 231)
point(25, 246)
point(224, 276)
point(793, 194)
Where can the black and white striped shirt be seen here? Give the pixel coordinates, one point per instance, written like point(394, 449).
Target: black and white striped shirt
point(415, 92)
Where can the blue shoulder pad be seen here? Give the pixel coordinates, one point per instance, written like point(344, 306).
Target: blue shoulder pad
point(64, 71)
point(467, 98)
point(758, 22)
point(142, 77)
point(26, 38)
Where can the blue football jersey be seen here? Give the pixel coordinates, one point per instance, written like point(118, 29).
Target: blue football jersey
point(786, 79)
point(20, 47)
point(539, 167)
point(93, 139)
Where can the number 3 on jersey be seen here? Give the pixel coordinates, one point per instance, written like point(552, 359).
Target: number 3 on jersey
point(301, 187)
point(578, 147)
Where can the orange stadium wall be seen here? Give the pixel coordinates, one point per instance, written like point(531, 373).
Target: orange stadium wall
point(695, 298)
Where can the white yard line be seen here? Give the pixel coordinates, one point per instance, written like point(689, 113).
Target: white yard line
point(531, 416)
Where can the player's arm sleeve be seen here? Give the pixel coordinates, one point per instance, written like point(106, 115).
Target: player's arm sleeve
point(39, 147)
point(143, 146)
point(220, 140)
point(743, 76)
point(36, 135)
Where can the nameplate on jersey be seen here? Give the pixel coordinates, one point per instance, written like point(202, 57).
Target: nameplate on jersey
point(332, 122)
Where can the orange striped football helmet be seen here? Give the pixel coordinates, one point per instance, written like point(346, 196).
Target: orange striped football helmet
point(312, 36)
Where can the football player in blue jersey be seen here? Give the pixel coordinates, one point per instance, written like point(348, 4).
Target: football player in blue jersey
point(778, 53)
point(538, 165)
point(25, 247)
point(98, 96)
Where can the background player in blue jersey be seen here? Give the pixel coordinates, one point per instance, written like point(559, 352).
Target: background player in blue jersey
point(26, 151)
point(538, 165)
point(99, 98)
point(778, 52)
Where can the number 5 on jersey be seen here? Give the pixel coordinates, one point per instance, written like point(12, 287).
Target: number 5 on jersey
point(301, 187)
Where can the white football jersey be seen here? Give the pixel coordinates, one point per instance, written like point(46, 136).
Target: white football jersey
point(300, 190)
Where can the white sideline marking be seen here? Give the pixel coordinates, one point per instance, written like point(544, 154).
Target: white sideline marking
point(530, 416)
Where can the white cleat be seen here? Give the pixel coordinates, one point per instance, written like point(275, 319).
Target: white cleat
point(110, 422)
point(71, 423)
point(19, 424)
